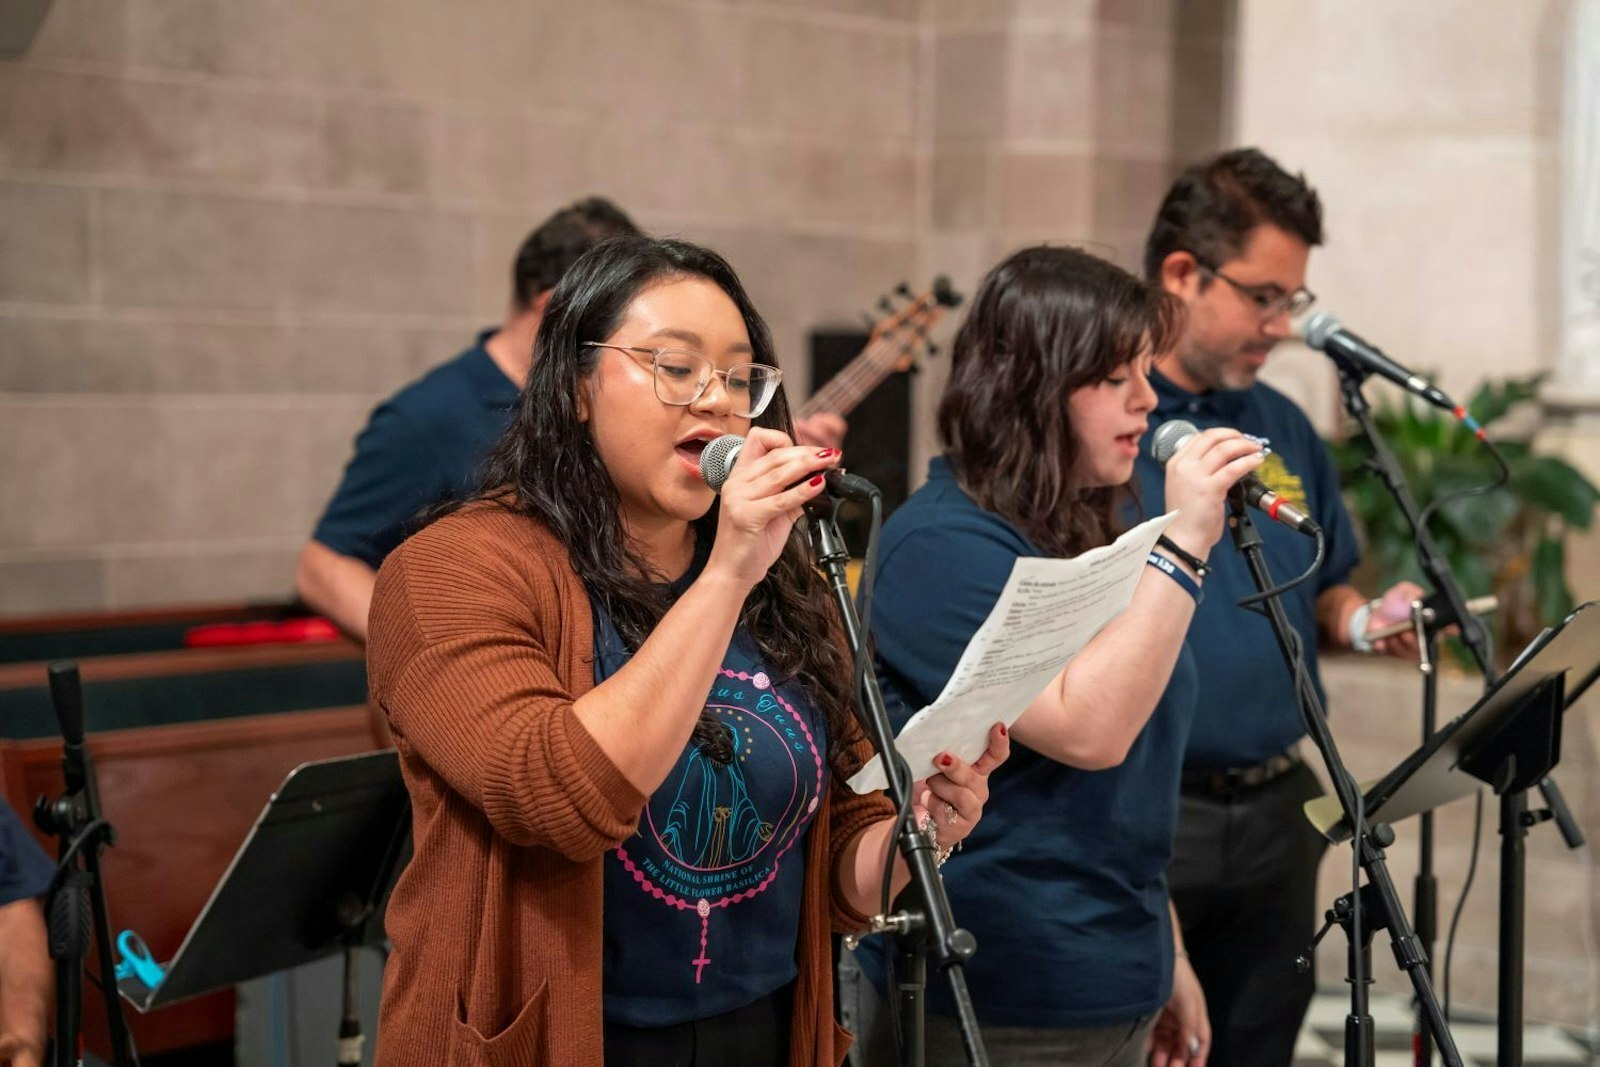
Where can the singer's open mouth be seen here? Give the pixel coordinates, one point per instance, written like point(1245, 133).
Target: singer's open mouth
point(690, 450)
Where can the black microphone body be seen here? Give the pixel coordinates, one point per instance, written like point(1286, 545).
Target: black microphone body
point(1171, 435)
point(720, 454)
point(1327, 334)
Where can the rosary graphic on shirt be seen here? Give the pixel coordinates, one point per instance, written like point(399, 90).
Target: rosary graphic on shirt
point(714, 835)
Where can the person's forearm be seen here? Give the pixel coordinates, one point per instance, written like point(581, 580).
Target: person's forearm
point(27, 978)
point(861, 868)
point(1335, 605)
point(1091, 713)
point(338, 586)
point(642, 716)
point(1177, 931)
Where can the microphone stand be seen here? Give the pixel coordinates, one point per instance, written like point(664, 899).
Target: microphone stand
point(1379, 906)
point(923, 925)
point(1448, 605)
point(76, 903)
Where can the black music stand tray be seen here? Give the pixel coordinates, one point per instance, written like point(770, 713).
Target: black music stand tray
point(1509, 740)
point(311, 879)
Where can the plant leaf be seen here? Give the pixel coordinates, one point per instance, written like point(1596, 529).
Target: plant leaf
point(1555, 486)
point(1549, 573)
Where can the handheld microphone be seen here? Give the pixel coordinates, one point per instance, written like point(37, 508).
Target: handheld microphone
point(1327, 334)
point(1171, 435)
point(720, 454)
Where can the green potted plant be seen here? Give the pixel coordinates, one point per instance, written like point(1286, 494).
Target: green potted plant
point(1510, 542)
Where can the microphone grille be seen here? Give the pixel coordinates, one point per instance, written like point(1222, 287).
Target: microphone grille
point(1168, 436)
point(716, 462)
point(1319, 328)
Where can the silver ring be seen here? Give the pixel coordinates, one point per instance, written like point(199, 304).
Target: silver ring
point(1194, 1045)
point(950, 813)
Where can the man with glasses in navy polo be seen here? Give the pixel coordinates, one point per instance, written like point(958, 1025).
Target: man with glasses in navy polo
point(1232, 240)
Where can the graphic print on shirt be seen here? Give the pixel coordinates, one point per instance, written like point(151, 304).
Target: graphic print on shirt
point(716, 835)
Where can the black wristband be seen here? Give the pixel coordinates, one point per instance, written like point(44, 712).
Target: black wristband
point(1200, 567)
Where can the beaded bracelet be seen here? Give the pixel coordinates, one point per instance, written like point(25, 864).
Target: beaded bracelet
point(1171, 570)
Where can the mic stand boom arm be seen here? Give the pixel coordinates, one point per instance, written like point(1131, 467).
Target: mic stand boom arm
point(923, 925)
point(1377, 900)
point(1434, 563)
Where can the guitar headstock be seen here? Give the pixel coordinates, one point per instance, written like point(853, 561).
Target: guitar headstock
point(906, 318)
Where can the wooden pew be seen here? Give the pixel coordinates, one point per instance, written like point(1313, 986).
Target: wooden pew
point(188, 744)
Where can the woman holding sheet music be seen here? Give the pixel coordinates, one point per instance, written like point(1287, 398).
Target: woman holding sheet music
point(1064, 883)
point(623, 714)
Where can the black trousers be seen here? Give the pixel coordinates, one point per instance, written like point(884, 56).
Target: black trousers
point(1244, 881)
point(754, 1034)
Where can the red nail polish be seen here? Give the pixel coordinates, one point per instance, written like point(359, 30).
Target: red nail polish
point(827, 453)
point(946, 761)
point(1002, 729)
point(818, 480)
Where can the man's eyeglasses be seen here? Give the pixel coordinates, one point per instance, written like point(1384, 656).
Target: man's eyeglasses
point(681, 378)
point(1270, 300)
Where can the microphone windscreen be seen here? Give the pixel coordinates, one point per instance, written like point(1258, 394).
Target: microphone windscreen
point(1169, 436)
point(1318, 328)
point(716, 462)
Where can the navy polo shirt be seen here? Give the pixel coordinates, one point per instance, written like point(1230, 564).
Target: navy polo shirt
point(1063, 882)
point(25, 871)
point(421, 447)
point(1247, 710)
point(702, 901)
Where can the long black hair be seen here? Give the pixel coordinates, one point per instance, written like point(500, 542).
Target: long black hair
point(547, 468)
point(1046, 322)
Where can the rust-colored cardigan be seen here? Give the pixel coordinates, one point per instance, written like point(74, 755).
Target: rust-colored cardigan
point(481, 640)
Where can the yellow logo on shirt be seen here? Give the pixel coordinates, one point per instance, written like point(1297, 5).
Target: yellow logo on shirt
point(1281, 480)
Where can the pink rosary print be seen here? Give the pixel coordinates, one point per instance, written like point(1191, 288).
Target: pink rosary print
point(714, 834)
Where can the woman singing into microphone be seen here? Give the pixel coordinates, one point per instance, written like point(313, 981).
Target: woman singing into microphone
point(623, 714)
point(1064, 884)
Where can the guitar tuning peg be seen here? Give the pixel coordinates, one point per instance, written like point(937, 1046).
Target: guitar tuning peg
point(904, 289)
point(869, 320)
point(886, 306)
point(933, 348)
point(914, 367)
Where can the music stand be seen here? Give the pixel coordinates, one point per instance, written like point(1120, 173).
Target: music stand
point(1509, 740)
point(311, 879)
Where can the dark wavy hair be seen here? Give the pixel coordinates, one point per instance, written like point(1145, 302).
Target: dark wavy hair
point(1044, 323)
point(547, 468)
point(1212, 207)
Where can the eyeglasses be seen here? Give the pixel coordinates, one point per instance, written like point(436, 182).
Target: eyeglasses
point(682, 377)
point(1270, 300)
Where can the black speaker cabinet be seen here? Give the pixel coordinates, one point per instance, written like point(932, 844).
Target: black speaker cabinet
point(878, 446)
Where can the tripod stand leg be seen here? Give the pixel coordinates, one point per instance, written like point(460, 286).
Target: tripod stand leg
point(121, 1048)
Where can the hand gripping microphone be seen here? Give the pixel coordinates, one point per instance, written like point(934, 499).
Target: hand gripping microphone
point(720, 454)
point(1170, 436)
point(1327, 334)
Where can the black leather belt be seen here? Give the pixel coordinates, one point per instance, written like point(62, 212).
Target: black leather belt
point(1235, 780)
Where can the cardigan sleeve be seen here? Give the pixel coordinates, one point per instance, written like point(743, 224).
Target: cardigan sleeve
point(464, 661)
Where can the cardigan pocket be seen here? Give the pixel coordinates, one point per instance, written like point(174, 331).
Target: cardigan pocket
point(842, 1040)
point(518, 1045)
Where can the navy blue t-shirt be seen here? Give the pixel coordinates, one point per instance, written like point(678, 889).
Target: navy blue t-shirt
point(25, 871)
point(1064, 881)
point(1247, 709)
point(421, 447)
point(702, 903)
